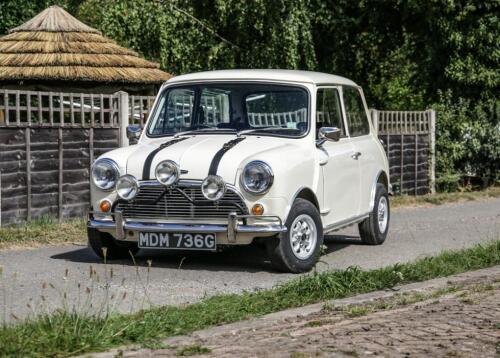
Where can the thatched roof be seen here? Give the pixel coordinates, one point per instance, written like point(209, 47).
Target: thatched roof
point(56, 46)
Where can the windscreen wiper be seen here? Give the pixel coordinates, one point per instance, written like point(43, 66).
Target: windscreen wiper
point(263, 129)
point(194, 131)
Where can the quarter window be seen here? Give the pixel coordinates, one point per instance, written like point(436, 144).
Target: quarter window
point(328, 112)
point(355, 111)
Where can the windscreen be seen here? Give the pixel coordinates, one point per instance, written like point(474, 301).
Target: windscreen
point(218, 108)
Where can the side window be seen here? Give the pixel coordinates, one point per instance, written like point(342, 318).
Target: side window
point(355, 110)
point(328, 112)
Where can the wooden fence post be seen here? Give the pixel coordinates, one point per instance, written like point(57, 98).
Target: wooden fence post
point(123, 119)
point(432, 133)
point(0, 199)
point(374, 115)
point(28, 173)
point(60, 175)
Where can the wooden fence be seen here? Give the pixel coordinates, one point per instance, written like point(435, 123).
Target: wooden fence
point(48, 141)
point(409, 140)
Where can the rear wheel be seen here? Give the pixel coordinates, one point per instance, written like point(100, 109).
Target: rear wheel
point(114, 249)
point(373, 230)
point(298, 249)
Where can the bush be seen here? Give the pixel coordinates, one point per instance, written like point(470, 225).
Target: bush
point(468, 141)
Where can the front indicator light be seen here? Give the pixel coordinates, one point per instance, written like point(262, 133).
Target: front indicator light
point(105, 206)
point(258, 209)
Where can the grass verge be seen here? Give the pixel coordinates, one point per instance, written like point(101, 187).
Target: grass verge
point(42, 232)
point(443, 198)
point(66, 333)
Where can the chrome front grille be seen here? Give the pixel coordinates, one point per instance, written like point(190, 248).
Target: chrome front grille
point(184, 202)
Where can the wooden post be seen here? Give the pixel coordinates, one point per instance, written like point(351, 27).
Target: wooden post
point(28, 108)
point(123, 119)
point(374, 115)
point(61, 109)
point(27, 133)
point(18, 111)
point(416, 163)
point(402, 165)
point(60, 181)
point(6, 106)
point(432, 134)
point(40, 115)
point(51, 110)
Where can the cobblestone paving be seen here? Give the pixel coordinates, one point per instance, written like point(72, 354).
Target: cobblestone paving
point(463, 322)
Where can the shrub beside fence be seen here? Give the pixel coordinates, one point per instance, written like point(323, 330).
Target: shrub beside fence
point(48, 141)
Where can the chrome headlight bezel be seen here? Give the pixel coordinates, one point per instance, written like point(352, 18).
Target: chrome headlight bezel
point(112, 166)
point(265, 169)
point(133, 186)
point(221, 187)
point(175, 169)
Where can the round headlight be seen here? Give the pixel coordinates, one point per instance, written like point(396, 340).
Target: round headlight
point(257, 177)
point(127, 187)
point(167, 172)
point(213, 187)
point(105, 173)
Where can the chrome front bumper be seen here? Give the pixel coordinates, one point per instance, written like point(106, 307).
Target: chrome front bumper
point(120, 226)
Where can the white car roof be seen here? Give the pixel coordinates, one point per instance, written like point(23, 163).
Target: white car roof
point(273, 75)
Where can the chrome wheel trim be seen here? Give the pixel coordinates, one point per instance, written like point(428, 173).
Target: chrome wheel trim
point(382, 214)
point(303, 236)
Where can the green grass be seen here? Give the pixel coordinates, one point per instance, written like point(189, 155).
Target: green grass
point(192, 350)
point(66, 333)
point(442, 198)
point(42, 232)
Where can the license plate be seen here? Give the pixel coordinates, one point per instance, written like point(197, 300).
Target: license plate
point(157, 240)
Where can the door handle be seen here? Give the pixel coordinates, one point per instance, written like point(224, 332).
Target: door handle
point(356, 155)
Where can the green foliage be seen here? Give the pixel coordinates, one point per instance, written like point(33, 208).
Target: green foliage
point(468, 140)
point(67, 333)
point(407, 54)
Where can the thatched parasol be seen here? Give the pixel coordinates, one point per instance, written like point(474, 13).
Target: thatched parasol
point(55, 46)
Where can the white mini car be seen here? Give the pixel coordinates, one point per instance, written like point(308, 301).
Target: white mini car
point(232, 157)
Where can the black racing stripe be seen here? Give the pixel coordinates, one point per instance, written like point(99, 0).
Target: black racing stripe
point(218, 156)
point(147, 163)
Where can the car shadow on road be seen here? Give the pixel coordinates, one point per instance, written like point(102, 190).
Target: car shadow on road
point(250, 258)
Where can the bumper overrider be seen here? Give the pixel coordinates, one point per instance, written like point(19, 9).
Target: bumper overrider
point(120, 225)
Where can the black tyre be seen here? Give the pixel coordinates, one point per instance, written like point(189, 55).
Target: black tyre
point(114, 249)
point(298, 249)
point(373, 230)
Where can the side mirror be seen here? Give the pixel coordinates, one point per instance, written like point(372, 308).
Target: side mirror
point(134, 133)
point(328, 133)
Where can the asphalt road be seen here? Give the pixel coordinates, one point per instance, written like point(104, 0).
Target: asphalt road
point(42, 280)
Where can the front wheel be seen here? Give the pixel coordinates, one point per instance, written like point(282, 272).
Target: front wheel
point(373, 230)
point(298, 249)
point(114, 249)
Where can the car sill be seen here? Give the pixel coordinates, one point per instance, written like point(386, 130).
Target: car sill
point(343, 223)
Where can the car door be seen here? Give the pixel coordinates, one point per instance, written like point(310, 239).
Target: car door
point(340, 170)
point(363, 141)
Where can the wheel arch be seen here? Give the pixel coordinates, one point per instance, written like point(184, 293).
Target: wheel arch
point(380, 178)
point(306, 194)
